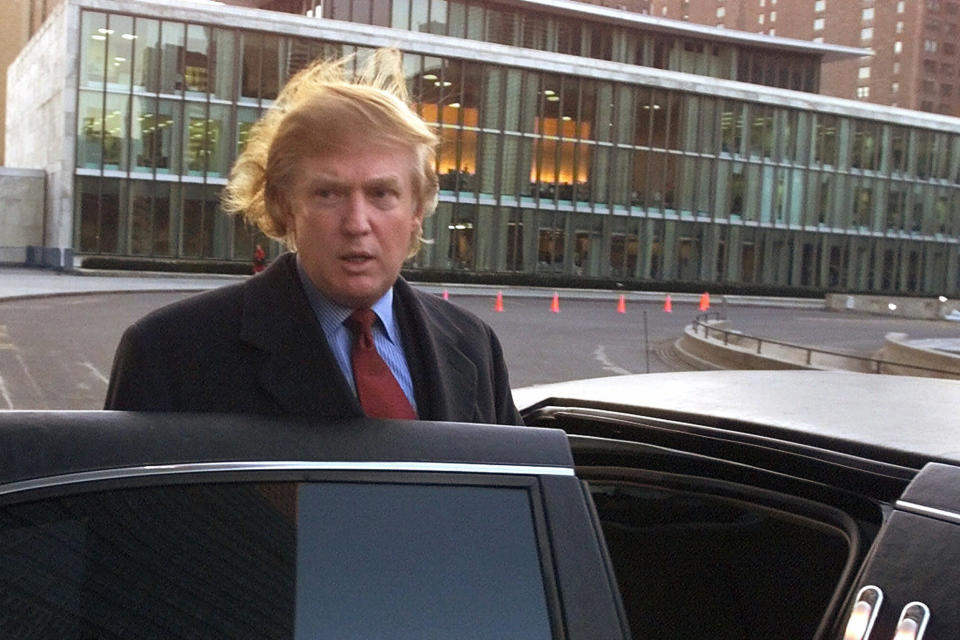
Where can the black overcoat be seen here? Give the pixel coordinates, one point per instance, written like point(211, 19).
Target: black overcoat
point(257, 347)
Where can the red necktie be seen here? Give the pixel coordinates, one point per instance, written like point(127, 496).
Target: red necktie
point(379, 392)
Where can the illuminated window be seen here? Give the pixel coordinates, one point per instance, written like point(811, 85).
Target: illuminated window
point(863, 73)
point(897, 47)
point(866, 33)
point(867, 14)
point(863, 92)
point(818, 24)
point(820, 5)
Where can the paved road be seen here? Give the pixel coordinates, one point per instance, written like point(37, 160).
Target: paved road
point(55, 353)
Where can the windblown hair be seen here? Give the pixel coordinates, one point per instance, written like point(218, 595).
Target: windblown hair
point(321, 110)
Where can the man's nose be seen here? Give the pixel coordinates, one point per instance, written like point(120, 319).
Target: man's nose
point(356, 216)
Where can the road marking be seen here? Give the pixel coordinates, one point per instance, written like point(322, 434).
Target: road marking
point(601, 356)
point(5, 338)
point(33, 382)
point(5, 394)
point(96, 372)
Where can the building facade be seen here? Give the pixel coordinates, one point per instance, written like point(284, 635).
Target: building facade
point(594, 146)
point(914, 43)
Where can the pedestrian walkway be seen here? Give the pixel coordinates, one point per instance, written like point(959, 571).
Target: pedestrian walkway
point(24, 282)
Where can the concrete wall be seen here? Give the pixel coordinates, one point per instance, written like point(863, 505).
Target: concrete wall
point(897, 348)
point(922, 308)
point(21, 212)
point(41, 120)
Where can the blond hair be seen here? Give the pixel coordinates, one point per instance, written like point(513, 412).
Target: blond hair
point(319, 111)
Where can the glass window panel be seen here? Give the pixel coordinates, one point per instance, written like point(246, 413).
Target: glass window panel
point(476, 21)
point(161, 229)
point(93, 48)
point(119, 52)
point(825, 144)
point(361, 11)
point(146, 55)
point(420, 16)
point(438, 17)
point(643, 126)
point(380, 13)
point(400, 14)
point(172, 36)
point(246, 118)
point(338, 9)
point(141, 217)
point(90, 129)
point(87, 213)
point(457, 19)
point(108, 225)
point(196, 139)
point(251, 45)
point(196, 71)
point(461, 251)
point(197, 227)
point(218, 151)
point(169, 122)
point(144, 135)
point(222, 64)
point(115, 132)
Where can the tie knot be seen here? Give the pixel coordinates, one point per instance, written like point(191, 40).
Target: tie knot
point(360, 321)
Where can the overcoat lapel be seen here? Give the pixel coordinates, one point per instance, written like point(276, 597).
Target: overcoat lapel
point(299, 370)
point(445, 379)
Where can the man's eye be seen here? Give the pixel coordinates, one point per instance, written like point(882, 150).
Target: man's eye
point(384, 196)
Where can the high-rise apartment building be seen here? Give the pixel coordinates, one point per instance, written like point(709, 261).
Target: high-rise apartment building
point(914, 42)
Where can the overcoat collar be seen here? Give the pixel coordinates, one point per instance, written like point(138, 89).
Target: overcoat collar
point(301, 374)
point(298, 370)
point(445, 378)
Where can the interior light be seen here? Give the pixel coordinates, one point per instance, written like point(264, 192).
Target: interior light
point(892, 306)
point(105, 32)
point(97, 36)
point(942, 298)
point(549, 92)
point(445, 83)
point(429, 76)
point(864, 613)
point(128, 36)
point(454, 105)
point(553, 98)
point(120, 59)
point(567, 118)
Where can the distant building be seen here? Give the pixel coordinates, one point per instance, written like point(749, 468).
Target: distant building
point(915, 62)
point(578, 141)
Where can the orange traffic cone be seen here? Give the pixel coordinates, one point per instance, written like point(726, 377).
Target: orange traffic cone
point(622, 305)
point(667, 305)
point(499, 304)
point(446, 295)
point(555, 305)
point(704, 301)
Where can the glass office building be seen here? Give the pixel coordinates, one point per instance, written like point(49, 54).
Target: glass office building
point(588, 146)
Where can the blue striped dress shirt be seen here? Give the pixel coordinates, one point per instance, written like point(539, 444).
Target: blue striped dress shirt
point(386, 334)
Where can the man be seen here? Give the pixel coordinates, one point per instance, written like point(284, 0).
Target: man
point(344, 174)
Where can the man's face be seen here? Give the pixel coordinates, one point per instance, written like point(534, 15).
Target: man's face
point(354, 214)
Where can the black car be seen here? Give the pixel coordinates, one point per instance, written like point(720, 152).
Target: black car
point(717, 505)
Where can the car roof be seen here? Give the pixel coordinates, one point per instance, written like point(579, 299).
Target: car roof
point(36, 444)
point(902, 415)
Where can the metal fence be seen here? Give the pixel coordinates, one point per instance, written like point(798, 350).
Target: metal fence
point(807, 356)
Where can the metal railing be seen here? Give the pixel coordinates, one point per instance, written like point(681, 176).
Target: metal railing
point(799, 354)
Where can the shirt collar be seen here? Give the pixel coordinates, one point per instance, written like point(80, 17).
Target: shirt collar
point(331, 314)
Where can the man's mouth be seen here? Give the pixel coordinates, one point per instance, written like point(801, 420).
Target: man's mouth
point(357, 257)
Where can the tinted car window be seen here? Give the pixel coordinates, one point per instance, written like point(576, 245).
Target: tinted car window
point(277, 560)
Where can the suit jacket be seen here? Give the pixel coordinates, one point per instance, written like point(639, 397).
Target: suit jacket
point(257, 347)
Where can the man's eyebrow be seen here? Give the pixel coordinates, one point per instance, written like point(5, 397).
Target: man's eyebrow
point(390, 180)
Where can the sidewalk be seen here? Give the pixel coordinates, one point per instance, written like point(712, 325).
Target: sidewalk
point(24, 282)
